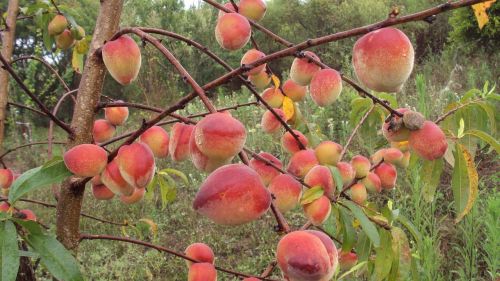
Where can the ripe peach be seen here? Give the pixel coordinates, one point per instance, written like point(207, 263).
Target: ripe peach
point(86, 160)
point(302, 71)
point(116, 115)
point(267, 173)
point(4, 207)
point(202, 272)
point(57, 25)
point(65, 40)
point(346, 171)
point(361, 166)
point(290, 144)
point(372, 183)
point(321, 176)
point(394, 130)
point(429, 142)
point(303, 256)
point(330, 248)
point(273, 97)
point(229, 6)
point(252, 9)
point(232, 195)
point(114, 181)
point(178, 146)
point(156, 138)
point(393, 155)
point(6, 178)
point(387, 174)
point(319, 210)
point(136, 164)
point(328, 152)
point(287, 192)
point(102, 130)
point(347, 260)
point(269, 123)
point(232, 31)
point(325, 87)
point(136, 196)
point(358, 193)
point(260, 80)
point(101, 192)
point(302, 162)
point(294, 91)
point(383, 59)
point(203, 162)
point(122, 58)
point(28, 215)
point(251, 56)
point(200, 252)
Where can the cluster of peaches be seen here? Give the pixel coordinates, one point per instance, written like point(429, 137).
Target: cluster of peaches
point(65, 36)
point(7, 177)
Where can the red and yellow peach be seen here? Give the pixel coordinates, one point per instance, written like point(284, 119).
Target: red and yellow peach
point(302, 162)
point(122, 58)
point(328, 153)
point(318, 211)
point(116, 115)
point(102, 130)
point(156, 138)
point(250, 57)
point(136, 164)
point(325, 87)
point(178, 146)
point(86, 160)
point(302, 70)
point(291, 144)
point(232, 31)
point(429, 142)
point(266, 172)
point(287, 192)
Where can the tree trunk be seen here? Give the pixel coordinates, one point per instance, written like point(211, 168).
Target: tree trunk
point(8, 36)
point(71, 195)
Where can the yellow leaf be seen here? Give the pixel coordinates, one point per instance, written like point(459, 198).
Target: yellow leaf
point(288, 108)
point(77, 61)
point(276, 81)
point(473, 182)
point(153, 226)
point(480, 12)
point(355, 223)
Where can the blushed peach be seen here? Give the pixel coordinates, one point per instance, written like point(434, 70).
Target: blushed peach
point(252, 9)
point(114, 181)
point(136, 164)
point(232, 195)
point(347, 260)
point(251, 56)
point(260, 80)
point(269, 123)
point(302, 162)
point(287, 192)
point(200, 252)
point(346, 172)
point(273, 97)
point(65, 40)
point(361, 166)
point(57, 25)
point(102, 130)
point(291, 144)
point(136, 196)
point(387, 174)
point(328, 153)
point(358, 193)
point(372, 183)
point(116, 115)
point(6, 178)
point(302, 70)
point(251, 279)
point(318, 211)
point(178, 146)
point(4, 207)
point(321, 176)
point(378, 156)
point(393, 155)
point(122, 58)
point(383, 59)
point(229, 6)
point(232, 31)
point(202, 272)
point(294, 91)
point(330, 247)
point(325, 87)
point(429, 142)
point(86, 160)
point(28, 215)
point(156, 138)
point(266, 172)
point(203, 162)
point(101, 192)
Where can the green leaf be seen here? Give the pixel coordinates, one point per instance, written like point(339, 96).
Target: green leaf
point(352, 270)
point(348, 233)
point(486, 138)
point(490, 112)
point(432, 171)
point(9, 258)
point(464, 182)
point(412, 229)
point(336, 177)
point(367, 226)
point(401, 250)
point(177, 173)
point(311, 195)
point(363, 247)
point(384, 257)
point(52, 172)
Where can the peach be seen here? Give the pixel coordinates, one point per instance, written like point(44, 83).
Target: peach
point(156, 138)
point(287, 192)
point(86, 160)
point(220, 136)
point(361, 166)
point(116, 115)
point(273, 97)
point(102, 130)
point(318, 211)
point(372, 183)
point(413, 120)
point(136, 196)
point(294, 91)
point(178, 147)
point(269, 123)
point(393, 155)
point(251, 56)
point(252, 9)
point(394, 130)
point(232, 195)
point(291, 144)
point(346, 171)
point(403, 146)
point(65, 40)
point(27, 215)
point(358, 193)
point(202, 272)
point(378, 156)
point(201, 161)
point(347, 260)
point(302, 256)
point(6, 178)
point(114, 181)
point(266, 172)
point(330, 248)
point(328, 153)
point(260, 80)
point(321, 176)
point(302, 70)
point(325, 87)
point(122, 58)
point(232, 31)
point(200, 252)
point(101, 192)
point(229, 6)
point(251, 279)
point(429, 142)
point(57, 25)
point(302, 162)
point(4, 207)
point(136, 164)
point(387, 174)
point(383, 59)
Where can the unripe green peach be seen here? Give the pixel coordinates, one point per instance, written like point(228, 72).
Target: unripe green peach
point(103, 131)
point(232, 31)
point(346, 171)
point(318, 211)
point(273, 97)
point(287, 192)
point(114, 181)
point(294, 91)
point(57, 25)
point(86, 160)
point(387, 174)
point(202, 272)
point(200, 252)
point(116, 115)
point(372, 183)
point(136, 196)
point(6, 178)
point(291, 144)
point(178, 146)
point(429, 142)
point(251, 56)
point(302, 162)
point(269, 123)
point(328, 153)
point(252, 9)
point(78, 32)
point(358, 193)
point(156, 138)
point(136, 164)
point(302, 71)
point(122, 58)
point(361, 166)
point(321, 176)
point(260, 80)
point(65, 40)
point(266, 172)
point(325, 87)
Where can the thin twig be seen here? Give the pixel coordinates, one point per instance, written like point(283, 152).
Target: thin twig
point(354, 131)
point(27, 145)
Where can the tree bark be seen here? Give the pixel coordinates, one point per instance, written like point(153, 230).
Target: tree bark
point(71, 194)
point(8, 36)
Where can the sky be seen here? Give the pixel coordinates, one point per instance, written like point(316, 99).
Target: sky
point(189, 3)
